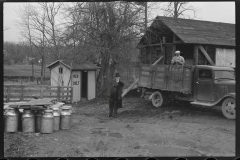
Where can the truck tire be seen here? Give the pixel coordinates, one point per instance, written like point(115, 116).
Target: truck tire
point(158, 99)
point(228, 108)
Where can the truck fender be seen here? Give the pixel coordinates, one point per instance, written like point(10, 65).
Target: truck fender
point(228, 95)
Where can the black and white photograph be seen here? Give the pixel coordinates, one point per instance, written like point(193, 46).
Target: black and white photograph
point(119, 79)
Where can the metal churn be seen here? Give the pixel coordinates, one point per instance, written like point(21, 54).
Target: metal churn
point(38, 119)
point(56, 120)
point(28, 121)
point(65, 117)
point(11, 116)
point(47, 121)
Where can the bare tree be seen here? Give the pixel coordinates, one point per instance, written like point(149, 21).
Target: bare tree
point(178, 9)
point(32, 23)
point(106, 27)
point(52, 28)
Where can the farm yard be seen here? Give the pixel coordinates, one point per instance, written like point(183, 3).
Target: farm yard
point(176, 96)
point(140, 130)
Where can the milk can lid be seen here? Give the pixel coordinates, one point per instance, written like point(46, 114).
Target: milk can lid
point(48, 110)
point(66, 107)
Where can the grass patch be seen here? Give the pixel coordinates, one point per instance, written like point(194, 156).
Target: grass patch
point(24, 70)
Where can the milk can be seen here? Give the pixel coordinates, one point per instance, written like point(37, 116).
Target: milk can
point(56, 120)
point(38, 119)
point(28, 121)
point(65, 117)
point(47, 121)
point(11, 120)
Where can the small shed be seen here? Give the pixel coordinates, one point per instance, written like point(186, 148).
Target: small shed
point(81, 76)
point(201, 42)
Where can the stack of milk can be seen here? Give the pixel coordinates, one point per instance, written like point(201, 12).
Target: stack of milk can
point(54, 118)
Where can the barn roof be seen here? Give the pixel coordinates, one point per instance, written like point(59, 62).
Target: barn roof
point(198, 32)
point(86, 65)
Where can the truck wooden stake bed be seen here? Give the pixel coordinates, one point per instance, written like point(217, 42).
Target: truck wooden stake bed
point(200, 85)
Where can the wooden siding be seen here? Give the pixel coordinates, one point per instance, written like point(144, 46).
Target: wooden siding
point(167, 77)
point(159, 80)
point(150, 54)
point(145, 79)
point(58, 79)
point(225, 57)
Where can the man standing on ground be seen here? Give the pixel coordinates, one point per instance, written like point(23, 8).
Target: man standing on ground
point(115, 99)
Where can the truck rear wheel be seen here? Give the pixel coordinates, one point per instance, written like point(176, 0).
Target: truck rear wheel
point(228, 108)
point(158, 99)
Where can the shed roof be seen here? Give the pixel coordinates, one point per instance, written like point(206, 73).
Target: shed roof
point(86, 65)
point(199, 32)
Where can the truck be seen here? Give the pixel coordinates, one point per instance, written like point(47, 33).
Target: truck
point(197, 84)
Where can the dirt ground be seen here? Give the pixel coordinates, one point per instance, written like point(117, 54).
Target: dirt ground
point(140, 130)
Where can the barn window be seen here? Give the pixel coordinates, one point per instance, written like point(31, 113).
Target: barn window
point(60, 70)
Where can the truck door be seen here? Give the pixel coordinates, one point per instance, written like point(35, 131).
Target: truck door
point(204, 85)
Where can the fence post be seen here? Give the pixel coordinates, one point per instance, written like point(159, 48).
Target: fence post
point(71, 98)
point(21, 98)
point(41, 96)
point(58, 93)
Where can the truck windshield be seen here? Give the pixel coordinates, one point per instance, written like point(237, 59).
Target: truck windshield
point(224, 75)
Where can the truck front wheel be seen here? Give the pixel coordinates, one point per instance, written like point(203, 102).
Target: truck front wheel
point(157, 99)
point(228, 108)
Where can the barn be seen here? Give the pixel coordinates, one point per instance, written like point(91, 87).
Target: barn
point(200, 42)
point(81, 76)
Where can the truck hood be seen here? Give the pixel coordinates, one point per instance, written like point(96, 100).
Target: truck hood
point(225, 82)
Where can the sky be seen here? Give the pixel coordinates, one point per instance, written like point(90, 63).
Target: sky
point(208, 11)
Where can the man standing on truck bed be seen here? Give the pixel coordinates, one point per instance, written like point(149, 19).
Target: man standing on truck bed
point(178, 59)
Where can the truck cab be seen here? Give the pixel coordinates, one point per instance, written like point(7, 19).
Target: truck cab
point(215, 86)
point(211, 83)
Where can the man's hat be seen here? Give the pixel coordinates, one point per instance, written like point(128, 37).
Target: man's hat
point(117, 75)
point(178, 52)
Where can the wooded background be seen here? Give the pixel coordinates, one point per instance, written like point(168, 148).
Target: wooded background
point(105, 33)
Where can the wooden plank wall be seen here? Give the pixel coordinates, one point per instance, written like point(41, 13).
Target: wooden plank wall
point(150, 54)
point(144, 76)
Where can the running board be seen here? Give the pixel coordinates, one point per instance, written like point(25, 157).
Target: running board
point(202, 104)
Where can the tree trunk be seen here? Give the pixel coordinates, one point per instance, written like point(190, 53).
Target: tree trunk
point(32, 71)
point(42, 70)
point(105, 75)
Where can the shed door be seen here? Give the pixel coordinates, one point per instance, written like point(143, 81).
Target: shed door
point(91, 85)
point(84, 84)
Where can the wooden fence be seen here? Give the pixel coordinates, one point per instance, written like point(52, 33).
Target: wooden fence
point(15, 93)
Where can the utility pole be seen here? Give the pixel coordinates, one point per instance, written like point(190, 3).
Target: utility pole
point(145, 15)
